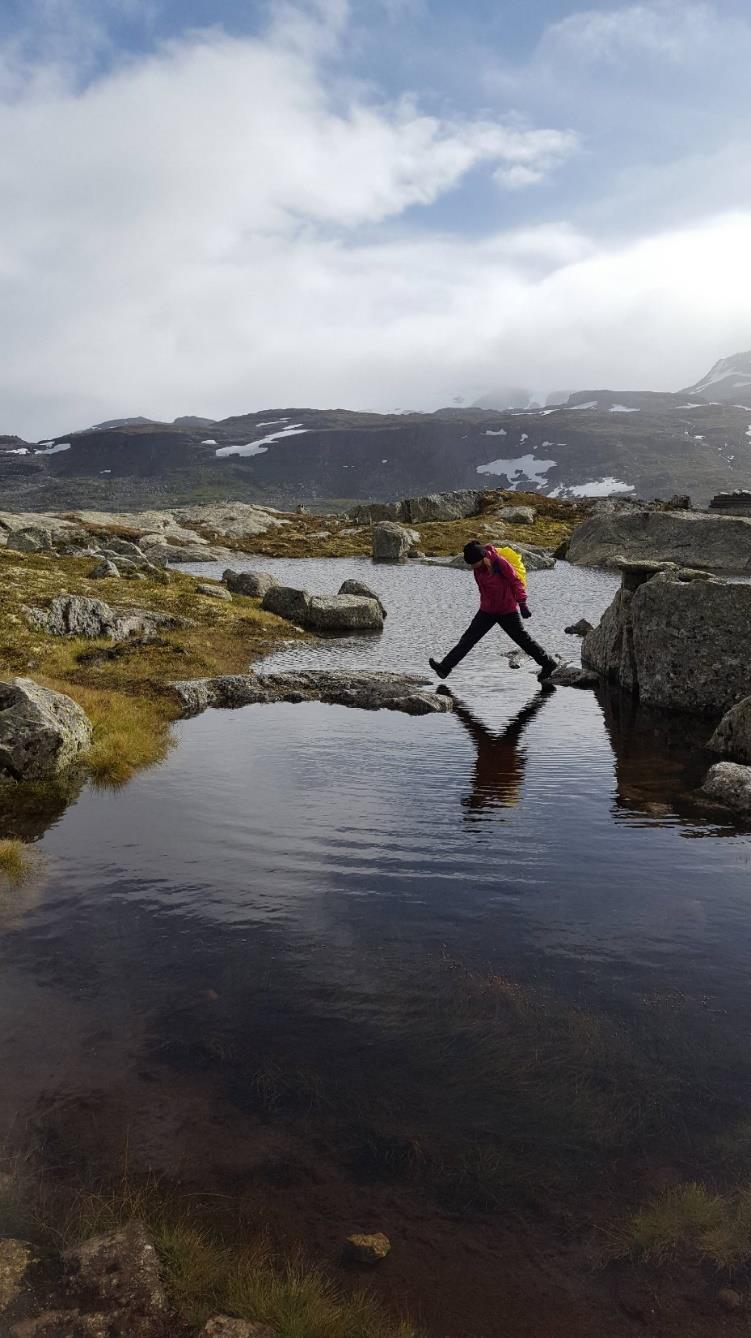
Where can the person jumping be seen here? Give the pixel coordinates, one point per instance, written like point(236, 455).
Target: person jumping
point(503, 600)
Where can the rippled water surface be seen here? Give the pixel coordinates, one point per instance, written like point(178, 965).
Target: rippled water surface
point(278, 891)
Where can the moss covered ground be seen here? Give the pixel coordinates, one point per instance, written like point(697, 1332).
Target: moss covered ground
point(123, 688)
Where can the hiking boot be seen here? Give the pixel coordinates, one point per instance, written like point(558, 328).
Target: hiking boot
point(435, 666)
point(549, 667)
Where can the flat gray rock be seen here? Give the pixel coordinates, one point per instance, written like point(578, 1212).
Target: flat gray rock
point(692, 539)
point(571, 676)
point(368, 691)
point(325, 613)
point(213, 591)
point(78, 615)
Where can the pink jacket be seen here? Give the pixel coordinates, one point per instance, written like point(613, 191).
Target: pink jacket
point(501, 590)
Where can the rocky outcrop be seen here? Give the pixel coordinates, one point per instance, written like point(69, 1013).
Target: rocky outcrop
point(681, 645)
point(254, 583)
point(78, 615)
point(455, 505)
point(391, 542)
point(41, 732)
point(368, 691)
point(732, 737)
point(689, 538)
point(181, 553)
point(325, 613)
point(729, 784)
point(359, 588)
point(33, 539)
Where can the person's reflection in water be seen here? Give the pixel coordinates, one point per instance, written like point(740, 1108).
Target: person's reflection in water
point(499, 760)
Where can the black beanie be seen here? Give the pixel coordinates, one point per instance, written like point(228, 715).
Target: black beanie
point(473, 552)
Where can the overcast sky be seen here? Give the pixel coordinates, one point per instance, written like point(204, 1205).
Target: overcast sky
point(215, 206)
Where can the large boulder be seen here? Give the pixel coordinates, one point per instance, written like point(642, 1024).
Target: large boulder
point(733, 734)
point(41, 732)
point(287, 602)
point(324, 613)
point(255, 583)
point(391, 542)
point(730, 784)
point(344, 613)
point(690, 538)
point(682, 645)
point(78, 615)
point(440, 506)
point(33, 539)
point(368, 690)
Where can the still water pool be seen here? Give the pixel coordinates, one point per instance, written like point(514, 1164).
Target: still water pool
point(265, 929)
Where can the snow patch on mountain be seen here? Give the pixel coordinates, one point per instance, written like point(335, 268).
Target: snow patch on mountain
point(53, 450)
point(261, 446)
point(622, 408)
point(598, 488)
point(524, 469)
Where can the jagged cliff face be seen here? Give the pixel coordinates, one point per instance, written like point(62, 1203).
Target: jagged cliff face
point(598, 444)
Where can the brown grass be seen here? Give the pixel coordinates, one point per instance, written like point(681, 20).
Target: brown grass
point(18, 863)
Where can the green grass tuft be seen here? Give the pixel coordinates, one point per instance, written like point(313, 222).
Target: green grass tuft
point(690, 1222)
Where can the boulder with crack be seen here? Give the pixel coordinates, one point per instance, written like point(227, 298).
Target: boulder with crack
point(41, 732)
point(79, 615)
point(369, 691)
point(682, 645)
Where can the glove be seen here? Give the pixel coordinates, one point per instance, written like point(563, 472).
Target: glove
point(524, 610)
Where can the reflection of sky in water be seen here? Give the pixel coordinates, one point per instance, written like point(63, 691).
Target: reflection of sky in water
point(310, 855)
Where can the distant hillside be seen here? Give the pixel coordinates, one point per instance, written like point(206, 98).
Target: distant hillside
point(599, 442)
point(729, 381)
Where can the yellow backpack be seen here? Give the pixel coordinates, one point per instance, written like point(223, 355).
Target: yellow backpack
point(516, 560)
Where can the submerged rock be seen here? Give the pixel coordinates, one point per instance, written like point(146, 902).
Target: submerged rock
point(685, 646)
point(41, 732)
point(369, 691)
point(78, 615)
point(391, 542)
point(254, 583)
point(729, 783)
point(693, 539)
point(367, 1248)
point(571, 676)
point(733, 734)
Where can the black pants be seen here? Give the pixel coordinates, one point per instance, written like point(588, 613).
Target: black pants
point(481, 623)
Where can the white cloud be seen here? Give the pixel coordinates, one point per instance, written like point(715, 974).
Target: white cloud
point(198, 231)
point(664, 31)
